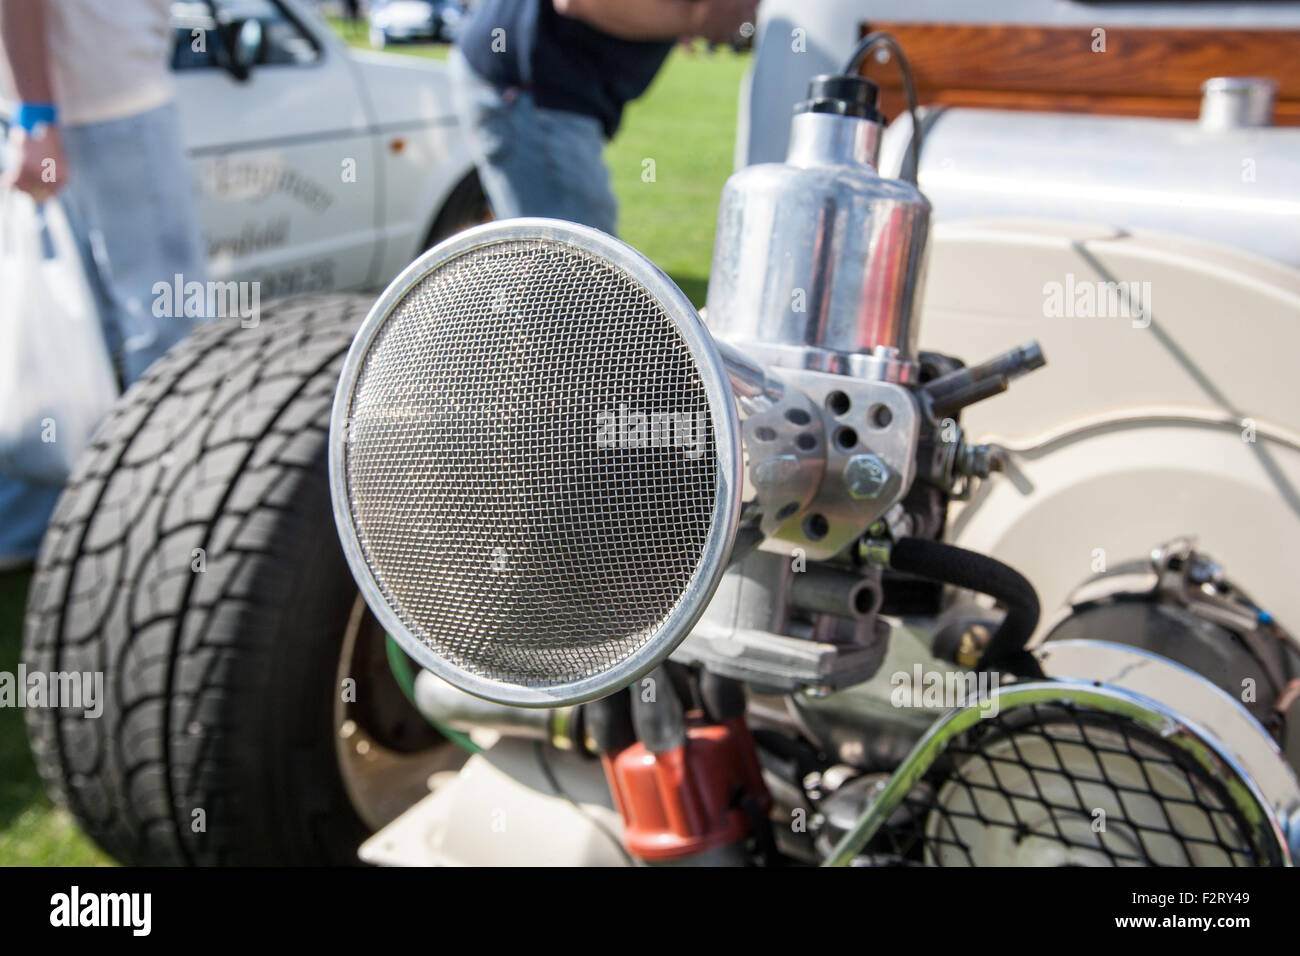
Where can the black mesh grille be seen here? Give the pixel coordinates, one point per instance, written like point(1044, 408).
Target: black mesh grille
point(1060, 785)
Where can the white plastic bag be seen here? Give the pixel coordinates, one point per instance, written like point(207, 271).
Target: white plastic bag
point(56, 378)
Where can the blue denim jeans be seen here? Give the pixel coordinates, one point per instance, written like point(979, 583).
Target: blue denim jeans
point(130, 201)
point(533, 161)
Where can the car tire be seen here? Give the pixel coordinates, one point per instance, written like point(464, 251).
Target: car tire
point(193, 561)
point(466, 205)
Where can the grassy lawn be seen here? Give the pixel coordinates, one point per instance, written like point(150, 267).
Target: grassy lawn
point(32, 831)
point(356, 34)
point(686, 125)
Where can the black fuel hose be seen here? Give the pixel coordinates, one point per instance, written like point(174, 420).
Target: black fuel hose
point(966, 569)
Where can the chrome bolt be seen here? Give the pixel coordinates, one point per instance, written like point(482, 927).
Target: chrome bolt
point(976, 461)
point(865, 476)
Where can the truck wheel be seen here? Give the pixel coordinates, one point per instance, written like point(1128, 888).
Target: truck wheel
point(247, 715)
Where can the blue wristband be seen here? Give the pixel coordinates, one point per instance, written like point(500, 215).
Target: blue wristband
point(32, 115)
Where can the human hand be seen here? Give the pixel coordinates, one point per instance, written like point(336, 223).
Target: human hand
point(37, 163)
point(718, 21)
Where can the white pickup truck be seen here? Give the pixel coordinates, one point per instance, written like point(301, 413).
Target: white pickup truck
point(324, 168)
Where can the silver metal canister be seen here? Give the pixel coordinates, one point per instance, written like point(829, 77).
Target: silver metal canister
point(819, 261)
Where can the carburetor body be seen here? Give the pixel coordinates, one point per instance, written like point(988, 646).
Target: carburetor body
point(818, 261)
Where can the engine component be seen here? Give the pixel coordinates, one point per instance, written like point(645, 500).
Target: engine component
point(536, 461)
point(839, 809)
point(1073, 773)
point(828, 590)
point(753, 629)
point(957, 566)
point(541, 463)
point(536, 464)
point(1182, 605)
point(871, 429)
point(970, 384)
point(1025, 794)
point(818, 260)
point(690, 788)
point(1243, 743)
point(449, 706)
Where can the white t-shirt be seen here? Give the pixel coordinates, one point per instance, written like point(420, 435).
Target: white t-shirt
point(108, 58)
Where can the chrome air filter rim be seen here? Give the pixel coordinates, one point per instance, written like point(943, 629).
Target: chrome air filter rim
point(727, 442)
point(1267, 817)
point(1242, 743)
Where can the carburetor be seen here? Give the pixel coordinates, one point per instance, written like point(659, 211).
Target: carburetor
point(817, 275)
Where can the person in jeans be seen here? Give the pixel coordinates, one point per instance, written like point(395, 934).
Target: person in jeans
point(93, 121)
point(540, 86)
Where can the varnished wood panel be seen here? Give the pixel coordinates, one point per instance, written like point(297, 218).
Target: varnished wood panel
point(1141, 72)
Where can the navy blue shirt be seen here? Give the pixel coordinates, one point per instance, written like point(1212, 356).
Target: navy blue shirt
point(566, 64)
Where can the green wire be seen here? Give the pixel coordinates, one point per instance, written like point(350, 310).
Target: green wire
point(403, 673)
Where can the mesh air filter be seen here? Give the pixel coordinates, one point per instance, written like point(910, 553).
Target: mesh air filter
point(1055, 785)
point(535, 462)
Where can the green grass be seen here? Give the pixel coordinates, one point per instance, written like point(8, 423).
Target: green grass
point(32, 831)
point(357, 35)
point(686, 124)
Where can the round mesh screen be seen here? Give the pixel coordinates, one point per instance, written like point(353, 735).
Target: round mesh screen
point(531, 467)
point(1056, 785)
